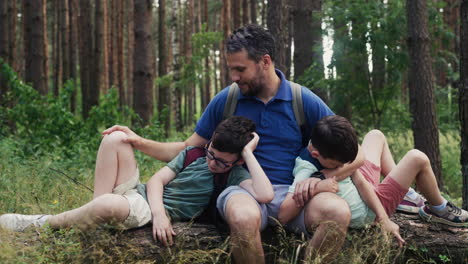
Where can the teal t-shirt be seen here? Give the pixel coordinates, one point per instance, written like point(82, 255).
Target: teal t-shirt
point(361, 214)
point(189, 193)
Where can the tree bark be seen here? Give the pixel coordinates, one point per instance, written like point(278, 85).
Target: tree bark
point(226, 25)
point(4, 48)
point(308, 48)
point(130, 50)
point(421, 86)
point(57, 47)
point(163, 99)
point(73, 50)
point(85, 40)
point(101, 50)
point(278, 22)
point(236, 14)
point(424, 241)
point(463, 98)
point(253, 11)
point(245, 11)
point(143, 61)
point(189, 29)
point(65, 39)
point(35, 44)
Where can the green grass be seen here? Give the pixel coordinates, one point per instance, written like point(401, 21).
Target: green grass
point(28, 185)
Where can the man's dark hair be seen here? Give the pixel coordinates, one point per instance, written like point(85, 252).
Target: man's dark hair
point(233, 134)
point(335, 138)
point(256, 40)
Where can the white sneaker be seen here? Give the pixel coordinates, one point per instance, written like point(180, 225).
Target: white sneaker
point(19, 222)
point(411, 206)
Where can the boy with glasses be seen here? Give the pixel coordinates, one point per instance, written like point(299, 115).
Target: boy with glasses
point(174, 193)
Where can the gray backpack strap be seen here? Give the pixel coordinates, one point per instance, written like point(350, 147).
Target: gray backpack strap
point(297, 103)
point(231, 101)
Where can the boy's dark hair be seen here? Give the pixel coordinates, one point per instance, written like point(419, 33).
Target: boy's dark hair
point(335, 138)
point(233, 134)
point(256, 40)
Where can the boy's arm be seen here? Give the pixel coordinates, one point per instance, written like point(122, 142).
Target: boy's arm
point(370, 198)
point(162, 228)
point(288, 209)
point(347, 169)
point(164, 151)
point(259, 186)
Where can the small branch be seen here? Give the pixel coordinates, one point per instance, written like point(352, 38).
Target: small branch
point(70, 178)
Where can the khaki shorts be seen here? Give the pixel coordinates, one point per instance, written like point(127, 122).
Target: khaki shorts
point(140, 212)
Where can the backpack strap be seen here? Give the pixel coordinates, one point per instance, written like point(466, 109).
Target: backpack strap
point(191, 155)
point(231, 101)
point(297, 103)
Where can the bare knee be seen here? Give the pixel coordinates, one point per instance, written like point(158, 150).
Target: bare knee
point(377, 134)
point(418, 158)
point(327, 207)
point(109, 207)
point(243, 218)
point(114, 137)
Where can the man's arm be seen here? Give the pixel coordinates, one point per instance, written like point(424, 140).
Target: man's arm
point(259, 186)
point(162, 228)
point(370, 198)
point(347, 169)
point(164, 151)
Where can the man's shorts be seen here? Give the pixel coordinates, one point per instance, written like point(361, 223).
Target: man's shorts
point(269, 212)
point(389, 191)
point(140, 212)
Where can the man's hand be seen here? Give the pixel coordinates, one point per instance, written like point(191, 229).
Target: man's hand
point(162, 230)
point(132, 138)
point(388, 226)
point(304, 190)
point(327, 185)
point(252, 145)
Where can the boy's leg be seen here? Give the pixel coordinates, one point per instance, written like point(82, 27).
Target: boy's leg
point(115, 163)
point(376, 150)
point(107, 208)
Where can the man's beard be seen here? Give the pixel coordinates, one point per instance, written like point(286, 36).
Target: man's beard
point(253, 90)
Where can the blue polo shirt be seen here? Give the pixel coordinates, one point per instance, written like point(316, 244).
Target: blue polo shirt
point(280, 135)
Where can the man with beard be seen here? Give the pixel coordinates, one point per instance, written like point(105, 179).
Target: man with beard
point(266, 98)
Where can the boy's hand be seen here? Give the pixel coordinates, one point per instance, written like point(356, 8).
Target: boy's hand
point(162, 230)
point(252, 145)
point(304, 191)
point(389, 226)
point(327, 185)
point(132, 138)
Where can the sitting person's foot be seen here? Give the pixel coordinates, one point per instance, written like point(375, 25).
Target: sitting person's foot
point(451, 215)
point(19, 222)
point(411, 205)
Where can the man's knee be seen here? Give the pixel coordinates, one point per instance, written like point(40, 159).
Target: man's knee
point(327, 207)
point(242, 214)
point(376, 135)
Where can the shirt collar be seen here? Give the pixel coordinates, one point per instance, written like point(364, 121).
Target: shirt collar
point(284, 92)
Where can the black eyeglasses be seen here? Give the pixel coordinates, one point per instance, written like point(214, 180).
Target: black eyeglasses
point(220, 163)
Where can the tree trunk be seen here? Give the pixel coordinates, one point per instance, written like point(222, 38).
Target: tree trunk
point(164, 90)
point(245, 11)
point(143, 61)
point(12, 16)
point(35, 44)
point(253, 11)
point(120, 53)
point(85, 40)
point(4, 48)
point(236, 14)
point(130, 50)
point(226, 25)
point(463, 97)
point(65, 39)
point(189, 28)
point(174, 90)
point(207, 81)
point(73, 50)
point(278, 22)
point(308, 48)
point(421, 86)
point(57, 47)
point(101, 50)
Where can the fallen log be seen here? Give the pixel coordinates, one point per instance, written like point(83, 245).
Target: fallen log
point(203, 243)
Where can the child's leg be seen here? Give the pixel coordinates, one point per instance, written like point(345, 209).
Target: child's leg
point(376, 150)
point(115, 163)
point(415, 165)
point(106, 208)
